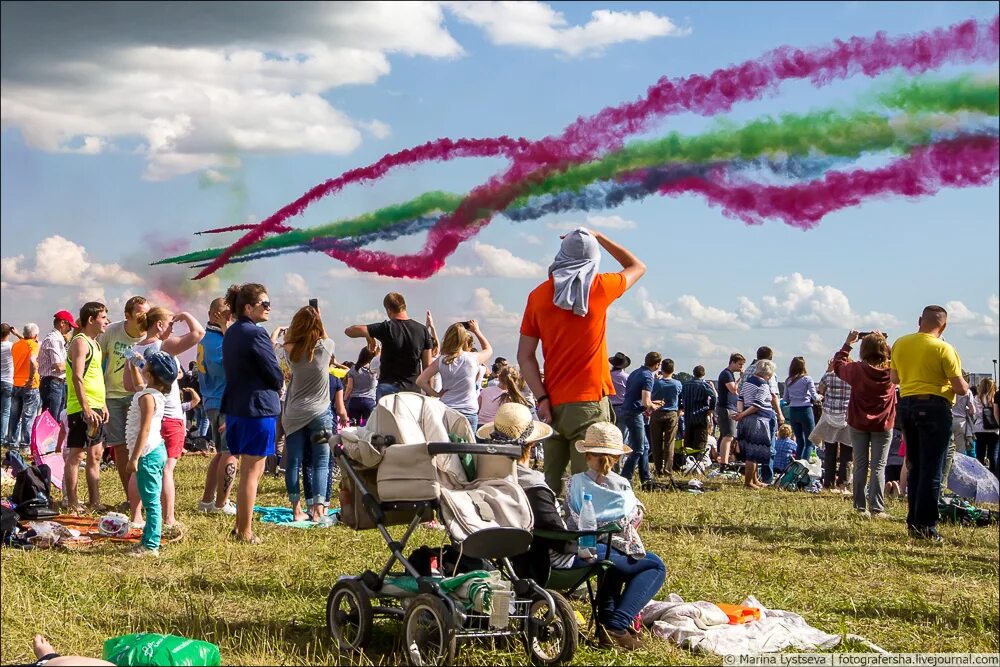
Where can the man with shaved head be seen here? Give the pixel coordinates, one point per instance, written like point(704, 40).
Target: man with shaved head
point(222, 468)
point(929, 374)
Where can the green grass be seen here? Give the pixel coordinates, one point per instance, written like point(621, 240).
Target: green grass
point(266, 604)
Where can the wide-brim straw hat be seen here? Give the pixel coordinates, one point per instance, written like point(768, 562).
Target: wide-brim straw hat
point(603, 438)
point(513, 421)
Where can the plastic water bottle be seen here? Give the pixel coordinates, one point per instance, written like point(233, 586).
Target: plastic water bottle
point(586, 547)
point(137, 359)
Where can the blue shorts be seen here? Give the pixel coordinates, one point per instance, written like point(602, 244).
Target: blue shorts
point(252, 436)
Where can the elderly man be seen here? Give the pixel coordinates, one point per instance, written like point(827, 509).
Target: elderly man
point(929, 373)
point(567, 314)
point(52, 363)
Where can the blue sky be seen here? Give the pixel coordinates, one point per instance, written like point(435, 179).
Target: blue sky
point(124, 134)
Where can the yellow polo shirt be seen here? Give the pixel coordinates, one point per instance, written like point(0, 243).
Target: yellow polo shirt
point(924, 363)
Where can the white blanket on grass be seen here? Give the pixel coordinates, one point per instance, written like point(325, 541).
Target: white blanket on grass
point(703, 627)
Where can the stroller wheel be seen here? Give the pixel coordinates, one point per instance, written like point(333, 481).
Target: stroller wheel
point(428, 632)
point(349, 616)
point(554, 643)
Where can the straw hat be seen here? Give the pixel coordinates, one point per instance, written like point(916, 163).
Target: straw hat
point(513, 423)
point(603, 438)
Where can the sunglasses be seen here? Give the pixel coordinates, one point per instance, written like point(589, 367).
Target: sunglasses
point(266, 305)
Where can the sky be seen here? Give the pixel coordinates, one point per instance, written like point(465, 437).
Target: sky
point(126, 128)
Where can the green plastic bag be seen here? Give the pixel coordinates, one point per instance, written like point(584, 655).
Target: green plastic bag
point(142, 650)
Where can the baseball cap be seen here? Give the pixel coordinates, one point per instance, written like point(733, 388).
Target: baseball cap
point(161, 365)
point(65, 315)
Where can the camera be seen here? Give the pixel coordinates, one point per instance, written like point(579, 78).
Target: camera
point(862, 334)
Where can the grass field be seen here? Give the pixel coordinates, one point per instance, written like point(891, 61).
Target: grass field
point(265, 604)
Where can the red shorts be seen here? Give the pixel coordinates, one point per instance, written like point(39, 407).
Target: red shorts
point(172, 432)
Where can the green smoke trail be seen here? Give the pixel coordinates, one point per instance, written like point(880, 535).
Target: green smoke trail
point(829, 132)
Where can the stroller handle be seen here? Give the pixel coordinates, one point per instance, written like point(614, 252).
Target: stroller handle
point(481, 448)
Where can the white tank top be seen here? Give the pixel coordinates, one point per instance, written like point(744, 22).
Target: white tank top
point(134, 418)
point(458, 379)
point(172, 407)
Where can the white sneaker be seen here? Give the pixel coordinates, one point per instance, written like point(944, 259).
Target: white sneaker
point(229, 509)
point(136, 525)
point(206, 507)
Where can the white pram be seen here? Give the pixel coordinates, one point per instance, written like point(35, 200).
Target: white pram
point(416, 457)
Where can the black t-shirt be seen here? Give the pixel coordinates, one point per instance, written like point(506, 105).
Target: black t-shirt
point(727, 399)
point(403, 341)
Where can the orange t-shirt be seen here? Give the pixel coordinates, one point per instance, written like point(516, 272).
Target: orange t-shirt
point(574, 347)
point(22, 352)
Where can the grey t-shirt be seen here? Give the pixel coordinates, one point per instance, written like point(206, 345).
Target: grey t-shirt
point(365, 382)
point(308, 394)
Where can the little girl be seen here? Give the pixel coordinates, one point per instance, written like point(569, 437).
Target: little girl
point(637, 574)
point(147, 452)
point(785, 448)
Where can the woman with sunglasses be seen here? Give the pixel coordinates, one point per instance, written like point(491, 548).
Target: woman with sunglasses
point(250, 400)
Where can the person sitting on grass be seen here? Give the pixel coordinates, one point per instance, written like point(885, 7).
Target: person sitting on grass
point(637, 574)
point(784, 448)
point(46, 655)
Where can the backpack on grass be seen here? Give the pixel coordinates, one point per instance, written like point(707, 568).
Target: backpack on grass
point(31, 496)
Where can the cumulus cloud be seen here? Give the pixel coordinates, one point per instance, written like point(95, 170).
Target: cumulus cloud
point(482, 306)
point(539, 25)
point(975, 324)
point(59, 261)
point(701, 344)
point(801, 302)
point(198, 84)
point(595, 221)
point(491, 261)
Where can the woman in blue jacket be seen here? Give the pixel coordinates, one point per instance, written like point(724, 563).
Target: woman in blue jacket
point(250, 400)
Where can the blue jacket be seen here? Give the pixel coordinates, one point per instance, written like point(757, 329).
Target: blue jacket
point(253, 378)
point(212, 374)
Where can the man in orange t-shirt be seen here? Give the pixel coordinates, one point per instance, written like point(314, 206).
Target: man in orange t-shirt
point(26, 399)
point(567, 314)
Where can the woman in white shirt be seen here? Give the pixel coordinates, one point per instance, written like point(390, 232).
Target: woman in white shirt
point(459, 368)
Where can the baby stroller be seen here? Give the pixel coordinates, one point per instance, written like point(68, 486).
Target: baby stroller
point(408, 463)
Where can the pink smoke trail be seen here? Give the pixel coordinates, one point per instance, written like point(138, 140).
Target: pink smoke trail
point(959, 163)
point(438, 150)
point(968, 41)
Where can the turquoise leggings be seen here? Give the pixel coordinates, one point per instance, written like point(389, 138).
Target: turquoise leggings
point(149, 479)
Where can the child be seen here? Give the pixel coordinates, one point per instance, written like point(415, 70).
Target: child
point(637, 574)
point(146, 449)
point(784, 447)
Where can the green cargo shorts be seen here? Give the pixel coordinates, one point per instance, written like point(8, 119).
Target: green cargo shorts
point(570, 422)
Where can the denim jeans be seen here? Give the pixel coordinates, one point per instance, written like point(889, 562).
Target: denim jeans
point(359, 409)
point(149, 480)
point(634, 427)
point(320, 460)
point(927, 430)
point(384, 389)
point(766, 470)
point(619, 412)
point(23, 407)
point(201, 421)
point(803, 422)
point(629, 586)
point(473, 418)
point(870, 452)
point(52, 395)
point(6, 396)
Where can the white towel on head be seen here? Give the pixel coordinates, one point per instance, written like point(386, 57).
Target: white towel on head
point(574, 269)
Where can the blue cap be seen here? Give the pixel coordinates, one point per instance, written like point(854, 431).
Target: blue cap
point(161, 365)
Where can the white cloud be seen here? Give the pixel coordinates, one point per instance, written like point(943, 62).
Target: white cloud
point(491, 261)
point(709, 316)
point(815, 345)
point(482, 306)
point(595, 221)
point(610, 222)
point(702, 345)
point(654, 315)
point(59, 261)
point(539, 25)
point(296, 286)
point(530, 239)
point(194, 99)
point(802, 303)
point(975, 325)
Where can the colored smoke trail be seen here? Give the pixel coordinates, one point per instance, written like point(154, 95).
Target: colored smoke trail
point(799, 137)
point(958, 163)
point(532, 162)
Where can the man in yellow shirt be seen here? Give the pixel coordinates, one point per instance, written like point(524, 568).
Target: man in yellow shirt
point(929, 374)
